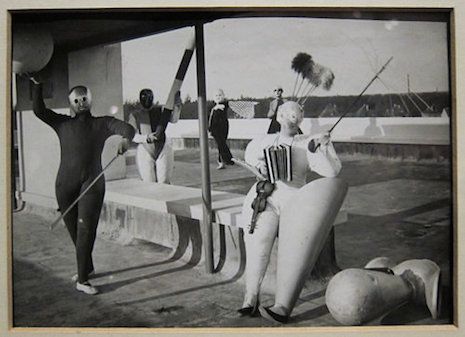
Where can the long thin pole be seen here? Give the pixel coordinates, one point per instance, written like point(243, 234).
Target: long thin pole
point(360, 95)
point(70, 207)
point(19, 139)
point(207, 236)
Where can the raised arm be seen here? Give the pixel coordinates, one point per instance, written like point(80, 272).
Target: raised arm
point(165, 118)
point(323, 160)
point(39, 108)
point(118, 127)
point(159, 132)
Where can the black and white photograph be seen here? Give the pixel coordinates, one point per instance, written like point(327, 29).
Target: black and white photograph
point(232, 167)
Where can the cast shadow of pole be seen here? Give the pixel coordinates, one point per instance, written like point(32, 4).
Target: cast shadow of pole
point(189, 235)
point(189, 232)
point(234, 278)
point(222, 252)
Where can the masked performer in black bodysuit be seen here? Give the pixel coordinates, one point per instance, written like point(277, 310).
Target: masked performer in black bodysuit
point(218, 126)
point(82, 138)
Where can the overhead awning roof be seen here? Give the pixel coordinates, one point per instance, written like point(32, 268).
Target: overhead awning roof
point(77, 29)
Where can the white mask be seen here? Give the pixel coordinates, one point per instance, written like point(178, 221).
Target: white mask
point(219, 96)
point(80, 99)
point(291, 114)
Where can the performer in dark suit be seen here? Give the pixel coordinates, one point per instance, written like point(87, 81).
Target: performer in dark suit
point(219, 128)
point(82, 138)
point(272, 112)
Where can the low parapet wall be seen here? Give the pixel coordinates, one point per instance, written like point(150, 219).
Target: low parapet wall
point(384, 130)
point(347, 150)
point(401, 138)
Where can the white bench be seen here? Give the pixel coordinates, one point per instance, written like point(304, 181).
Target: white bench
point(175, 200)
point(181, 201)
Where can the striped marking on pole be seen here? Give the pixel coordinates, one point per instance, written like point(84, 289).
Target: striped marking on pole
point(181, 73)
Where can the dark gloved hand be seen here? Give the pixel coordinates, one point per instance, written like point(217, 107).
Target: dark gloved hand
point(314, 144)
point(158, 134)
point(123, 146)
point(177, 98)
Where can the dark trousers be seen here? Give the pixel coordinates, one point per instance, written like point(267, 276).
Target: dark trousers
point(82, 220)
point(224, 154)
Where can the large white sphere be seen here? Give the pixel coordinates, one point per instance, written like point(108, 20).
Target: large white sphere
point(32, 48)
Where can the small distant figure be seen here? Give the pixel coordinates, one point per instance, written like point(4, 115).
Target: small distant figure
point(218, 127)
point(272, 112)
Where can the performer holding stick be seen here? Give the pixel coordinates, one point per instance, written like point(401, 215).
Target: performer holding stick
point(303, 214)
point(82, 138)
point(155, 156)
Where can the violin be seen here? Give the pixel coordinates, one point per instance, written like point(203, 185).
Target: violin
point(264, 189)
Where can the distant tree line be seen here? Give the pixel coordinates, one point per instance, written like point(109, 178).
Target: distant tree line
point(381, 105)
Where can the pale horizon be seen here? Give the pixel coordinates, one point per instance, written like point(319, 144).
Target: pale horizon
point(249, 56)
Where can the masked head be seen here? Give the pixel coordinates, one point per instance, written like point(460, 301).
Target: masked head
point(219, 96)
point(80, 99)
point(146, 98)
point(278, 91)
point(290, 114)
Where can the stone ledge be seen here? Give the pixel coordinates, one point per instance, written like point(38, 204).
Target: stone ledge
point(181, 201)
point(175, 200)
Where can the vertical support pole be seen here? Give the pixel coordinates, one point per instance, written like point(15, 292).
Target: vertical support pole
point(18, 116)
point(207, 236)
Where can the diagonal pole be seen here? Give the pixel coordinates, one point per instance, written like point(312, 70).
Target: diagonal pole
point(359, 96)
point(70, 207)
point(355, 101)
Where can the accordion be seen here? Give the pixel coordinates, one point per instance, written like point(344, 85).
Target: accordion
point(278, 162)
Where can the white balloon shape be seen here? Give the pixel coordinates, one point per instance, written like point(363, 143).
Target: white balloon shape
point(32, 48)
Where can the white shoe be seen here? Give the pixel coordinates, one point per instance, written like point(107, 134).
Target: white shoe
point(75, 276)
point(86, 288)
point(220, 166)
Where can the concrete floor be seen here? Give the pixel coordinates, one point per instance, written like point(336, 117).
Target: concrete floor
point(397, 209)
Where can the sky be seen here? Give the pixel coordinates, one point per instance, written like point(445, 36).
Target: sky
point(249, 56)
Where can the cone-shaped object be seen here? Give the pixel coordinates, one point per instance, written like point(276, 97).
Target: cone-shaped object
point(304, 227)
point(356, 296)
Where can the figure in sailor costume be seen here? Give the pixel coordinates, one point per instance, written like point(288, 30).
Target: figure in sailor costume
point(300, 213)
